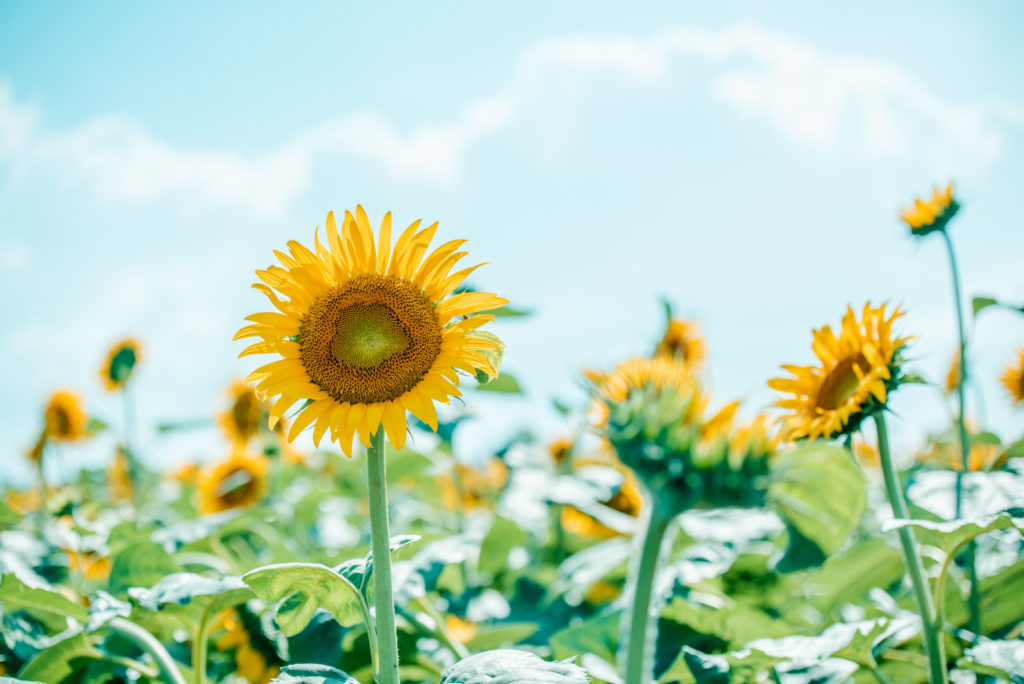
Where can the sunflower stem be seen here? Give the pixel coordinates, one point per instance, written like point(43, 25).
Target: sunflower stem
point(933, 644)
point(148, 643)
point(129, 434)
point(974, 598)
point(380, 546)
point(641, 630)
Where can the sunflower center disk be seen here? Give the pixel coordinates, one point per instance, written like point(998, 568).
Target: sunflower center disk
point(841, 383)
point(370, 340)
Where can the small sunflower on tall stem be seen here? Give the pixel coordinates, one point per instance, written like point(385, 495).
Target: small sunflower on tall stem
point(115, 374)
point(857, 371)
point(64, 421)
point(366, 331)
point(651, 411)
point(923, 218)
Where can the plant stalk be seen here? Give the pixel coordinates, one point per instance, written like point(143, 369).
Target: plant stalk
point(932, 642)
point(641, 629)
point(380, 546)
point(148, 643)
point(974, 599)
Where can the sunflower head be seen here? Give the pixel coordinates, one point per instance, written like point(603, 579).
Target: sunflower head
point(242, 419)
point(64, 417)
point(561, 450)
point(120, 363)
point(235, 482)
point(365, 330)
point(682, 340)
point(851, 380)
point(1013, 379)
point(471, 487)
point(929, 215)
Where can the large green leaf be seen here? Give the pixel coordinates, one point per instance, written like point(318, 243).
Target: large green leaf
point(820, 494)
point(598, 636)
point(303, 588)
point(59, 662)
point(8, 516)
point(419, 576)
point(510, 666)
point(14, 595)
point(952, 534)
point(192, 597)
point(504, 536)
point(140, 565)
point(312, 674)
point(1003, 659)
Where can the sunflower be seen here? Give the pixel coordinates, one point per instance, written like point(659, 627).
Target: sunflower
point(752, 441)
point(682, 340)
point(561, 450)
point(1013, 378)
point(250, 664)
point(662, 374)
point(857, 370)
point(928, 216)
point(65, 418)
point(235, 482)
point(471, 487)
point(241, 421)
point(460, 630)
point(626, 500)
point(91, 565)
point(121, 360)
point(367, 332)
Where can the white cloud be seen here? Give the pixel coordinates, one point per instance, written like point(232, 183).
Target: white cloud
point(827, 102)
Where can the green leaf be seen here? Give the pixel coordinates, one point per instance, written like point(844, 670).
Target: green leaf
point(510, 312)
point(997, 659)
point(140, 565)
point(312, 674)
point(419, 576)
point(192, 597)
point(820, 493)
point(359, 570)
point(510, 666)
point(14, 595)
point(504, 536)
point(58, 662)
point(504, 383)
point(8, 516)
point(303, 588)
point(949, 535)
point(979, 304)
point(598, 635)
point(492, 355)
point(501, 634)
point(95, 426)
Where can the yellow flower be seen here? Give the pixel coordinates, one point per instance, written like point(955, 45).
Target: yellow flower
point(120, 362)
point(953, 376)
point(65, 418)
point(241, 421)
point(982, 456)
point(560, 450)
point(472, 487)
point(602, 592)
point(627, 500)
point(186, 472)
point(367, 332)
point(234, 482)
point(458, 629)
point(119, 477)
point(856, 371)
point(663, 373)
point(682, 341)
point(927, 216)
point(867, 455)
point(753, 440)
point(93, 566)
point(23, 502)
point(250, 664)
point(1013, 378)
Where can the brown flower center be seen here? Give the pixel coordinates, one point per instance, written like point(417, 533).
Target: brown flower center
point(841, 383)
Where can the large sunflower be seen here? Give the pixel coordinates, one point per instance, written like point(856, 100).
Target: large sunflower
point(65, 418)
point(855, 373)
point(119, 364)
point(367, 331)
point(1013, 378)
point(235, 482)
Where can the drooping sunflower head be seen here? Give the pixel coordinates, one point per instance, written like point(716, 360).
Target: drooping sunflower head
point(366, 331)
point(120, 362)
point(235, 482)
point(1013, 378)
point(855, 373)
point(64, 416)
point(929, 215)
point(753, 441)
point(682, 340)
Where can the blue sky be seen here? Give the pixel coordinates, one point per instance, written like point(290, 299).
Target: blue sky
point(745, 161)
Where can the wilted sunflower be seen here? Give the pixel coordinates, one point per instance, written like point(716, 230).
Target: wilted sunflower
point(928, 216)
point(856, 372)
point(234, 482)
point(120, 363)
point(367, 331)
point(682, 340)
point(65, 418)
point(1013, 378)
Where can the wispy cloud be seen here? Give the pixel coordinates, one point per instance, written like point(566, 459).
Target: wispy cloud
point(827, 102)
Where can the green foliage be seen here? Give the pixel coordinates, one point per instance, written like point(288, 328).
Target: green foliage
point(304, 588)
point(312, 674)
point(508, 666)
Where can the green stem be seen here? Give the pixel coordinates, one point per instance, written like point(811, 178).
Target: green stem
point(933, 645)
point(148, 643)
point(641, 630)
point(974, 599)
point(380, 545)
point(129, 452)
point(199, 654)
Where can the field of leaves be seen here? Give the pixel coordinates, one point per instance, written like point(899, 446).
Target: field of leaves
point(660, 539)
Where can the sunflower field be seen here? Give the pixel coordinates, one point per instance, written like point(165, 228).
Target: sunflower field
point(661, 538)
